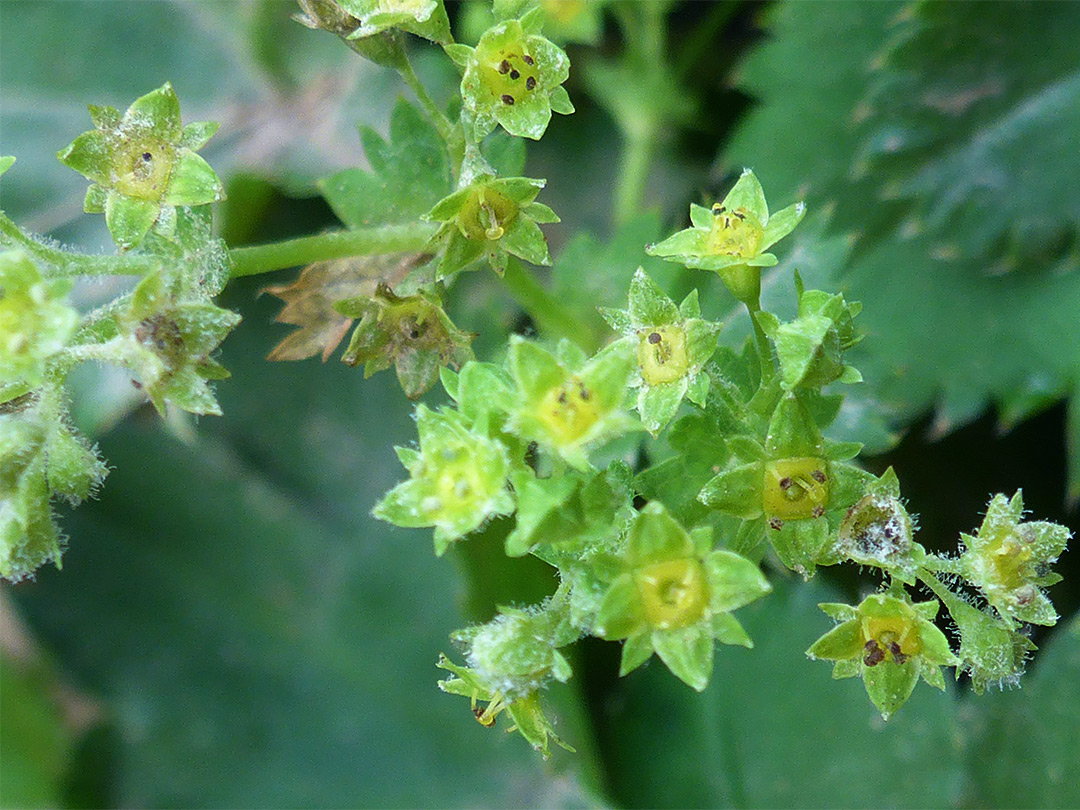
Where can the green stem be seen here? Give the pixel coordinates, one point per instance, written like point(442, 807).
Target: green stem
point(935, 585)
point(437, 116)
point(638, 147)
point(381, 239)
point(550, 316)
point(941, 565)
point(62, 263)
point(761, 343)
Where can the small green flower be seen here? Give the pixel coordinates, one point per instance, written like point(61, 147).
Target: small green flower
point(412, 333)
point(675, 597)
point(795, 489)
point(457, 480)
point(167, 338)
point(492, 217)
point(811, 347)
point(878, 531)
point(991, 650)
point(40, 458)
point(525, 712)
point(513, 77)
point(673, 345)
point(143, 165)
point(560, 517)
point(890, 643)
point(516, 652)
point(567, 403)
point(731, 239)
point(35, 323)
point(425, 18)
point(1009, 561)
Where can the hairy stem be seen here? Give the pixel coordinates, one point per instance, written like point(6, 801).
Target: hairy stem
point(761, 343)
point(438, 118)
point(637, 153)
point(549, 315)
point(381, 239)
point(62, 263)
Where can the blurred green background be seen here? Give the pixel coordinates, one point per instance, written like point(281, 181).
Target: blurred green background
point(232, 629)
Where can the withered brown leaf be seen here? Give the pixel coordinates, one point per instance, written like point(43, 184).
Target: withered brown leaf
point(309, 300)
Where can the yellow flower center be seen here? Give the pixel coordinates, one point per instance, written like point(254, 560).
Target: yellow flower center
point(892, 639)
point(142, 168)
point(486, 214)
point(662, 354)
point(674, 593)
point(734, 233)
point(509, 73)
point(796, 488)
point(568, 411)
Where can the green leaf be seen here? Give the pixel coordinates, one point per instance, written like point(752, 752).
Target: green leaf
point(410, 173)
point(774, 730)
point(1021, 745)
point(38, 743)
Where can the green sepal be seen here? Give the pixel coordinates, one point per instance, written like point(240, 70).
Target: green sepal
point(192, 182)
point(781, 224)
point(129, 219)
point(748, 194)
point(75, 469)
point(792, 431)
point(801, 544)
point(727, 630)
point(889, 685)
point(621, 614)
point(733, 580)
point(636, 651)
point(688, 653)
point(6, 162)
point(95, 199)
point(737, 491)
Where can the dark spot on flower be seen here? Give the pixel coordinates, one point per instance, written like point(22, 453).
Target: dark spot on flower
point(136, 385)
point(654, 338)
point(507, 99)
point(147, 156)
point(786, 483)
point(718, 209)
point(528, 60)
point(562, 397)
point(818, 475)
point(585, 394)
point(897, 654)
point(504, 67)
point(738, 214)
point(776, 524)
point(515, 75)
point(872, 653)
point(818, 511)
point(530, 83)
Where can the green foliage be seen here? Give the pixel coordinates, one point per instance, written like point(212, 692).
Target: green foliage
point(569, 516)
point(954, 219)
point(410, 173)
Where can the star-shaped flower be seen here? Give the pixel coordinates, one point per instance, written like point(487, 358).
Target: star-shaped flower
point(457, 480)
point(1009, 561)
point(673, 344)
point(732, 237)
point(890, 643)
point(675, 597)
point(513, 77)
point(412, 333)
point(143, 164)
point(492, 218)
point(796, 488)
point(567, 403)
